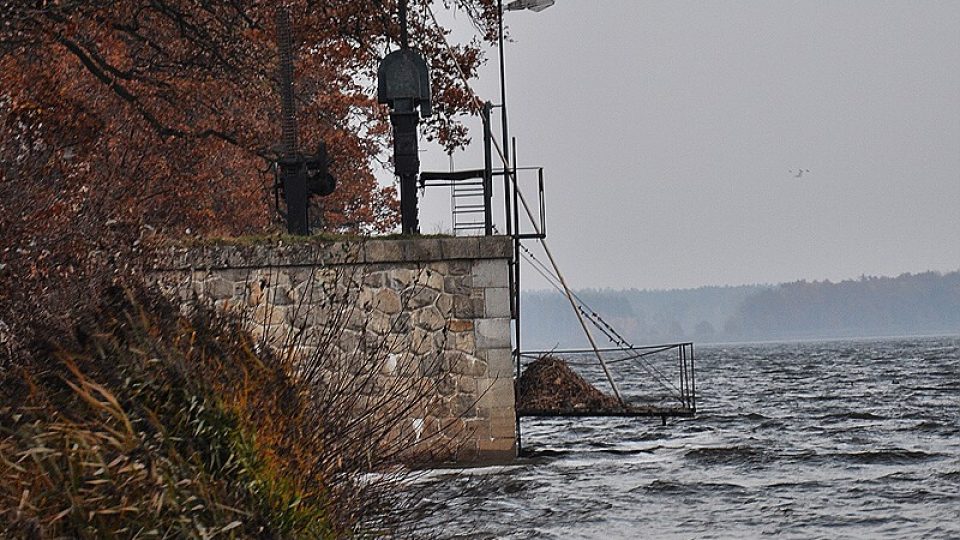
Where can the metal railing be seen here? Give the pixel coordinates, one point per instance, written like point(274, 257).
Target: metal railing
point(656, 380)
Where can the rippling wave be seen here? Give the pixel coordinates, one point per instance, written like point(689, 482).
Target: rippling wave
point(838, 439)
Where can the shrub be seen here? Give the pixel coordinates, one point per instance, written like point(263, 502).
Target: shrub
point(152, 423)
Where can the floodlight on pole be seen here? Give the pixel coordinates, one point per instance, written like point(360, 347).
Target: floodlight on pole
point(532, 5)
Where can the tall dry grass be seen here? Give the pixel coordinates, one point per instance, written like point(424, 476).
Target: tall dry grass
point(152, 423)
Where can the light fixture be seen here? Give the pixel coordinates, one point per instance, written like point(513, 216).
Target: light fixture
point(532, 5)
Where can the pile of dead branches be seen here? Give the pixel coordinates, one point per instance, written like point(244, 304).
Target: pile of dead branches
point(549, 385)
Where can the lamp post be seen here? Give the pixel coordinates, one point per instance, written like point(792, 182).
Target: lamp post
point(515, 5)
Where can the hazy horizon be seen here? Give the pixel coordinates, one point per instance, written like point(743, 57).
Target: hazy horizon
point(548, 288)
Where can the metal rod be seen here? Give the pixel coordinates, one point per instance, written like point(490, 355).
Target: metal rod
point(511, 177)
point(624, 412)
point(693, 379)
point(664, 347)
point(503, 87)
point(404, 37)
point(543, 208)
point(516, 256)
point(487, 172)
point(681, 356)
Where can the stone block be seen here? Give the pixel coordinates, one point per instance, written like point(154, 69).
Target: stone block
point(496, 302)
point(227, 305)
point(465, 342)
point(199, 276)
point(447, 386)
point(350, 341)
point(279, 295)
point(429, 318)
point(496, 450)
point(365, 299)
point(374, 280)
point(378, 251)
point(420, 297)
point(387, 301)
point(459, 325)
point(275, 277)
point(459, 268)
point(490, 273)
point(496, 393)
point(465, 308)
point(467, 385)
point(468, 366)
point(500, 363)
point(460, 248)
point(502, 420)
point(431, 367)
point(476, 428)
point(445, 304)
point(338, 253)
point(493, 333)
point(458, 284)
point(421, 249)
point(218, 288)
point(430, 279)
point(496, 247)
point(379, 323)
point(307, 316)
point(464, 406)
point(467, 450)
point(421, 342)
point(401, 278)
point(401, 323)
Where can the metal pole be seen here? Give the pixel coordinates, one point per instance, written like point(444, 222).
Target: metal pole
point(487, 172)
point(516, 252)
point(683, 374)
point(503, 89)
point(292, 170)
point(693, 378)
point(509, 174)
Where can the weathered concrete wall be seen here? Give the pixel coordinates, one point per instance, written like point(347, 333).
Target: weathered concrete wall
point(431, 313)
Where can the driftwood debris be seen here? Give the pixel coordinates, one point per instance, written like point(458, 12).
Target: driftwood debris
point(549, 385)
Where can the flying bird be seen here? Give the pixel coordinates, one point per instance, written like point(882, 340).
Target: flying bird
point(799, 172)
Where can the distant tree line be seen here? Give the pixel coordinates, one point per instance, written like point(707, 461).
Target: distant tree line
point(910, 304)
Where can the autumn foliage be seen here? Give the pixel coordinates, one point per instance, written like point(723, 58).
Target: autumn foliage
point(126, 120)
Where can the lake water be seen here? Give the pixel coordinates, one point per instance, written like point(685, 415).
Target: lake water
point(844, 439)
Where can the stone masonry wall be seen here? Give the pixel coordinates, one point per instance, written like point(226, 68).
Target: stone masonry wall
point(432, 314)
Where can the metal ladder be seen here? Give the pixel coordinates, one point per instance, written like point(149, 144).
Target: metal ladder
point(466, 203)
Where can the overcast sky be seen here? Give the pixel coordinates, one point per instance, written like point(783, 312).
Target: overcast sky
point(672, 133)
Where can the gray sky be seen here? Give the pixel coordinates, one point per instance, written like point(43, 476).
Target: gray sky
point(668, 130)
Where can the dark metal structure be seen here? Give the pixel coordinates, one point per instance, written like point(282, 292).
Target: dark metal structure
point(299, 176)
point(677, 396)
point(403, 83)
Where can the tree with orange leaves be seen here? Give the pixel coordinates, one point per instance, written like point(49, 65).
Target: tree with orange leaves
point(120, 117)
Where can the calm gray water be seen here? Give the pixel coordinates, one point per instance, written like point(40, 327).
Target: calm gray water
point(851, 439)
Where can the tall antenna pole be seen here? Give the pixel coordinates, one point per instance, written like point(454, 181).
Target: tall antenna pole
point(503, 92)
point(288, 112)
point(292, 169)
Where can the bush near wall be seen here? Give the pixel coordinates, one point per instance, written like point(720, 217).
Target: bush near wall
point(163, 425)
